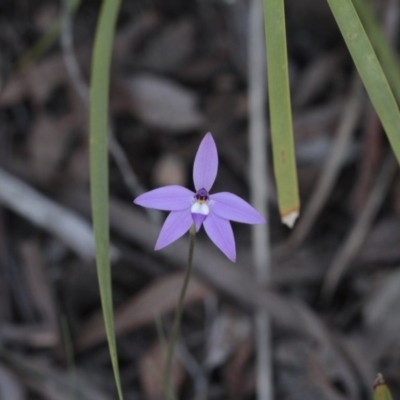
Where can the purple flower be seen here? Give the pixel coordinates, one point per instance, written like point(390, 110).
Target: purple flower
point(214, 211)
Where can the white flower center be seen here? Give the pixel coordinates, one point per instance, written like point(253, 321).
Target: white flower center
point(200, 208)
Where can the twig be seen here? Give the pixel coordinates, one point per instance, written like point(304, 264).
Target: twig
point(259, 196)
point(70, 228)
point(372, 154)
point(348, 122)
point(119, 156)
point(195, 370)
point(356, 237)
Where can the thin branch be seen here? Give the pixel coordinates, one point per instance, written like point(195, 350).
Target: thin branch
point(354, 240)
point(129, 177)
point(68, 226)
point(259, 196)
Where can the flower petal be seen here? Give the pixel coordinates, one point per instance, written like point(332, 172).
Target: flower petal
point(205, 164)
point(198, 219)
point(220, 232)
point(169, 198)
point(175, 226)
point(229, 206)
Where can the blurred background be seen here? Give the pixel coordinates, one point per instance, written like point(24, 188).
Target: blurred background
point(179, 70)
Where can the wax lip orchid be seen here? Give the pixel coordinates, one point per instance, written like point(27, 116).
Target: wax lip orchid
point(213, 211)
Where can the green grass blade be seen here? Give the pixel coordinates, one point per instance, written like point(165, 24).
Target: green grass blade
point(369, 69)
point(384, 51)
point(280, 111)
point(99, 94)
point(381, 391)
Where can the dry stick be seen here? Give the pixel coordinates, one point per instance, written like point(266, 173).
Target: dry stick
point(259, 196)
point(371, 159)
point(68, 226)
point(119, 156)
point(350, 117)
point(195, 370)
point(356, 237)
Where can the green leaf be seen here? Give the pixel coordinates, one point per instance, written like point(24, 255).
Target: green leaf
point(280, 111)
point(369, 69)
point(381, 391)
point(99, 94)
point(384, 51)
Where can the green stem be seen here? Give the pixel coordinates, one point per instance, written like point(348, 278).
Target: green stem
point(167, 387)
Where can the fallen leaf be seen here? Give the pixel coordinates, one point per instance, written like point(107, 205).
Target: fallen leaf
point(170, 48)
point(227, 331)
point(156, 299)
point(163, 104)
point(151, 370)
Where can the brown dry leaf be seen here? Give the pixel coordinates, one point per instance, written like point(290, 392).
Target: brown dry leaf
point(227, 331)
point(169, 170)
point(156, 299)
point(48, 143)
point(382, 244)
point(39, 284)
point(128, 37)
point(151, 369)
point(37, 81)
point(50, 137)
point(77, 170)
point(235, 372)
point(170, 48)
point(163, 104)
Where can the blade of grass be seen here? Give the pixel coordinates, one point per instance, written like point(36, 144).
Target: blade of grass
point(384, 50)
point(381, 391)
point(99, 166)
point(370, 70)
point(280, 112)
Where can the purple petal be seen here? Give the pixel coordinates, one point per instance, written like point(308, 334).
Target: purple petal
point(169, 198)
point(229, 206)
point(205, 164)
point(198, 219)
point(175, 226)
point(220, 232)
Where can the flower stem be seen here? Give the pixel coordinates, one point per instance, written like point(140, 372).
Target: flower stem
point(167, 387)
